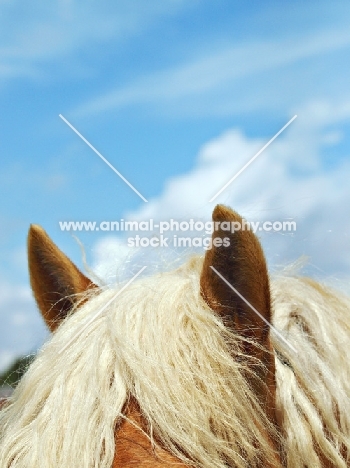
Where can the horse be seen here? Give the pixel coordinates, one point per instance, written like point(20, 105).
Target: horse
point(186, 368)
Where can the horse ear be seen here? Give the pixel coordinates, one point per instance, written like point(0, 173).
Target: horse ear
point(56, 282)
point(239, 259)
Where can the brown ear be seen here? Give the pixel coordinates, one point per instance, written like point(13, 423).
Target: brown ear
point(56, 282)
point(242, 264)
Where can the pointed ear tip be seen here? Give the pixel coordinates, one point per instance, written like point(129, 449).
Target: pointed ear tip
point(36, 232)
point(35, 229)
point(225, 213)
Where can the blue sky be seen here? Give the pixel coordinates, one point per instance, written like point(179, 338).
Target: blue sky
point(177, 96)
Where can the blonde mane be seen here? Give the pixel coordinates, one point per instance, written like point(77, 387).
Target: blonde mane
point(160, 345)
point(313, 386)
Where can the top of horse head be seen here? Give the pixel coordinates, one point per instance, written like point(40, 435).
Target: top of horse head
point(58, 284)
point(180, 369)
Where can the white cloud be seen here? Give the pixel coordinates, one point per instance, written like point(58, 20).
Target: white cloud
point(290, 180)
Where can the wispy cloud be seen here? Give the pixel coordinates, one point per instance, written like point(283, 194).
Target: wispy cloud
point(220, 70)
point(35, 36)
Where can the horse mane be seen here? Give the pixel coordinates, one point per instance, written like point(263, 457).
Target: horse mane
point(313, 386)
point(160, 344)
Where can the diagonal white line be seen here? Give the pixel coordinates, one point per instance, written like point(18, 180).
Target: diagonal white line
point(251, 160)
point(254, 310)
point(99, 312)
point(103, 158)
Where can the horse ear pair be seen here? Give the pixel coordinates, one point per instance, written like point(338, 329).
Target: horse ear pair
point(57, 283)
point(238, 261)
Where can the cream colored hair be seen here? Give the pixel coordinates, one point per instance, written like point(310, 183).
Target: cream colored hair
point(313, 386)
point(160, 343)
